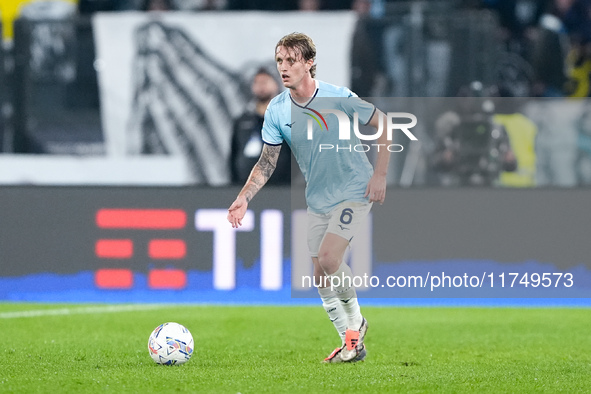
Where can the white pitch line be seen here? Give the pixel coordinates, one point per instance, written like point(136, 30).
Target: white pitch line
point(80, 310)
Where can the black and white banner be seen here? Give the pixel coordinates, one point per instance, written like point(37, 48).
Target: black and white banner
point(172, 83)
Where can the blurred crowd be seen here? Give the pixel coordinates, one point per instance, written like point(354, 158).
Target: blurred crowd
point(466, 48)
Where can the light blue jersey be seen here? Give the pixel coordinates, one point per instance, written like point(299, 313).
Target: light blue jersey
point(332, 175)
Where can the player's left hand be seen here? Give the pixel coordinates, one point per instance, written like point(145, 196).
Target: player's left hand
point(376, 189)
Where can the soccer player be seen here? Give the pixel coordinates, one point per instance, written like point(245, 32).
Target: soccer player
point(340, 186)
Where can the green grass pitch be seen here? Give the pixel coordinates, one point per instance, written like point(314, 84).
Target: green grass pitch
point(251, 349)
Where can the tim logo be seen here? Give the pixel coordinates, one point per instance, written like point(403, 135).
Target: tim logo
point(119, 249)
point(392, 120)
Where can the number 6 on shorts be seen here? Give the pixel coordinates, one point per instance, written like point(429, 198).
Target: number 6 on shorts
point(346, 216)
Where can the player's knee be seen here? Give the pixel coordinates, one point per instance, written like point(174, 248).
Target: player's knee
point(329, 262)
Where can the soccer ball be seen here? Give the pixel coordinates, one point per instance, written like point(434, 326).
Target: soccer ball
point(170, 344)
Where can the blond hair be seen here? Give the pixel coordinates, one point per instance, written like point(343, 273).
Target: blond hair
point(302, 44)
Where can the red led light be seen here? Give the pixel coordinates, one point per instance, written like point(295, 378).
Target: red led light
point(113, 248)
point(113, 279)
point(169, 279)
point(153, 219)
point(167, 249)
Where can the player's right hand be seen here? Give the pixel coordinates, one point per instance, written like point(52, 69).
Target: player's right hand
point(237, 211)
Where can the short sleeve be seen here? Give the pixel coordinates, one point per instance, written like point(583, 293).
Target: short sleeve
point(271, 133)
point(354, 104)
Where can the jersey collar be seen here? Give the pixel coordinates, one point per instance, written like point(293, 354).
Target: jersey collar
point(311, 98)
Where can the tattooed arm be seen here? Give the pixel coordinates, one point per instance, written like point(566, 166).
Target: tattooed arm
point(260, 174)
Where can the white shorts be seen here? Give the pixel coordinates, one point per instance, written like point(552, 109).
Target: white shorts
point(344, 220)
